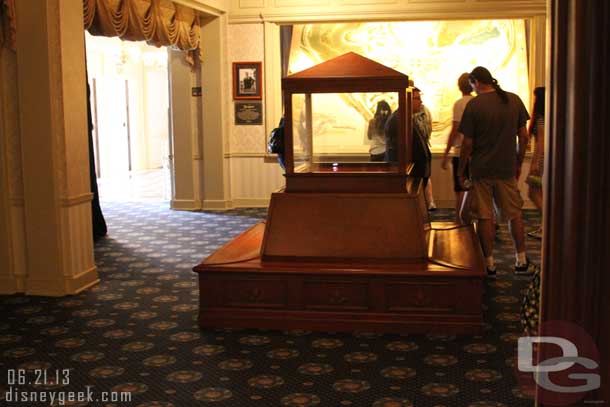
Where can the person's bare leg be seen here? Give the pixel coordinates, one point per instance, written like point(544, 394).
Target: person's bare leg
point(464, 211)
point(459, 199)
point(515, 227)
point(486, 232)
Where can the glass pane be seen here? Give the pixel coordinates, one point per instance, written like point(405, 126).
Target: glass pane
point(340, 128)
point(301, 132)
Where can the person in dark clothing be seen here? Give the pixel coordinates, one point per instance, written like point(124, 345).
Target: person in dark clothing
point(99, 227)
point(276, 143)
point(491, 124)
point(248, 82)
point(376, 131)
point(422, 156)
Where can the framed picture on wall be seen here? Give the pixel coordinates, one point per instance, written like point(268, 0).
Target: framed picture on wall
point(247, 81)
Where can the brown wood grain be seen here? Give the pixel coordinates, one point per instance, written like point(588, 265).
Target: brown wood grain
point(576, 253)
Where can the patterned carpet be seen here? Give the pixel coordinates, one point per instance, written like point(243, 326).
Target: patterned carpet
point(137, 332)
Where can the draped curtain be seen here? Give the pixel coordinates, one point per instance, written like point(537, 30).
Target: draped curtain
point(159, 22)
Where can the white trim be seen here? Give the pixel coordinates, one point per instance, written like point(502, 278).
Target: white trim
point(200, 5)
point(245, 155)
point(87, 197)
point(251, 202)
point(69, 285)
point(185, 204)
point(216, 205)
point(412, 12)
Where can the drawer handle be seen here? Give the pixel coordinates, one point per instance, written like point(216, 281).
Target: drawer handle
point(336, 298)
point(254, 294)
point(420, 298)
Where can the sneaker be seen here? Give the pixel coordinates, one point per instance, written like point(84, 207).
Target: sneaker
point(527, 269)
point(536, 234)
point(491, 272)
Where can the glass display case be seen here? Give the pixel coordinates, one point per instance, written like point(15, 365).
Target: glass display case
point(328, 150)
point(332, 129)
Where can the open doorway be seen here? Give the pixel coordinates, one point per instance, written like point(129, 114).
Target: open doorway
point(130, 105)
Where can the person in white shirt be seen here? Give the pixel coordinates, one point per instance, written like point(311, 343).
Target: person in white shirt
point(454, 142)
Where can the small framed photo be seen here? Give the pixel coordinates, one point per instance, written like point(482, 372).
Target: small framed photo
point(247, 81)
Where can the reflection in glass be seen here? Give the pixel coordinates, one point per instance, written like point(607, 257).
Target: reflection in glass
point(326, 130)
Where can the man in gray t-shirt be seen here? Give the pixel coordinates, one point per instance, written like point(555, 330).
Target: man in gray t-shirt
point(490, 124)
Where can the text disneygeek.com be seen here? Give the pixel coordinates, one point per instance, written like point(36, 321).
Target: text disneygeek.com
point(60, 398)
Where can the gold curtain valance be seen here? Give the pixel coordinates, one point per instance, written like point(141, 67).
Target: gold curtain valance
point(159, 22)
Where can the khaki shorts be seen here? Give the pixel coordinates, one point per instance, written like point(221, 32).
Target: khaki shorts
point(503, 194)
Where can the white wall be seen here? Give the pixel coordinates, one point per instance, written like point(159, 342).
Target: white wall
point(112, 61)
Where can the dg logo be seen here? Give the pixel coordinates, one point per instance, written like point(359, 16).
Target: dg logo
point(562, 364)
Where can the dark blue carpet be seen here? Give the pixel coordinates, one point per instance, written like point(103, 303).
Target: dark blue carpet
point(137, 332)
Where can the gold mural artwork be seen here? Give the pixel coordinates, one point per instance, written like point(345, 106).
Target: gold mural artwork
point(433, 54)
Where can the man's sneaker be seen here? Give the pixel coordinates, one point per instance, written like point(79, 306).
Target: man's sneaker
point(527, 269)
point(536, 234)
point(491, 272)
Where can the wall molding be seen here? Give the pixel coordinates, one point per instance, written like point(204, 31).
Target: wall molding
point(251, 202)
point(82, 281)
point(217, 205)
point(185, 204)
point(68, 286)
point(215, 9)
point(245, 155)
point(389, 12)
point(77, 199)
point(8, 286)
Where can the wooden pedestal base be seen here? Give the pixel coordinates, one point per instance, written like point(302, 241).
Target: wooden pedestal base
point(441, 294)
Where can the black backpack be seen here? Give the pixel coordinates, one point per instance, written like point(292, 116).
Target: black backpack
point(276, 139)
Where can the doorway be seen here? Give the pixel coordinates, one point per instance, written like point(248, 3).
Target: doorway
point(130, 105)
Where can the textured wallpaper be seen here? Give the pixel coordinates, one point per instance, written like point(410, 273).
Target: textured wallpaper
point(245, 44)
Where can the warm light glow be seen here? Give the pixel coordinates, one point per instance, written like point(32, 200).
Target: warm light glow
point(433, 54)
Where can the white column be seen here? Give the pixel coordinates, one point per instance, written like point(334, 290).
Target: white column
point(216, 86)
point(12, 242)
point(55, 160)
point(186, 149)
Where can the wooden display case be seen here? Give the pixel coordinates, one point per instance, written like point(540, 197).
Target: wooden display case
point(347, 244)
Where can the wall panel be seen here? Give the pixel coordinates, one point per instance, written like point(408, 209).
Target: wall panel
point(253, 180)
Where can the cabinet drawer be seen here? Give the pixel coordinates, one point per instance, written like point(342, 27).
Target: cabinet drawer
point(420, 296)
point(254, 293)
point(338, 295)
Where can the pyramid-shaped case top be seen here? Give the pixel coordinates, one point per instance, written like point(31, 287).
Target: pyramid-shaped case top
point(349, 71)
